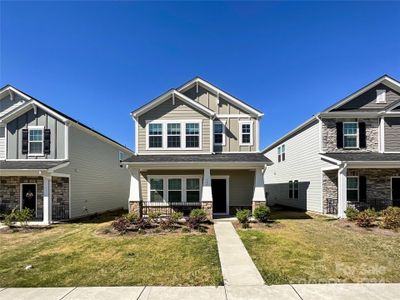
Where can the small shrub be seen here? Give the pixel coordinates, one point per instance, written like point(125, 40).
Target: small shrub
point(167, 224)
point(262, 213)
point(202, 229)
point(121, 224)
point(154, 216)
point(243, 216)
point(185, 230)
point(391, 218)
point(176, 216)
point(366, 218)
point(141, 231)
point(9, 218)
point(143, 224)
point(21, 216)
point(193, 223)
point(351, 213)
point(132, 217)
point(198, 214)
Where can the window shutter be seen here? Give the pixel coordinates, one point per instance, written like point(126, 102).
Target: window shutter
point(363, 188)
point(339, 135)
point(24, 141)
point(46, 141)
point(362, 135)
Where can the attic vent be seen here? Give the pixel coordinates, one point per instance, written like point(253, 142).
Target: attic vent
point(380, 96)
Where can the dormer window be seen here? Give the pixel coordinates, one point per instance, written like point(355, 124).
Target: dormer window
point(380, 96)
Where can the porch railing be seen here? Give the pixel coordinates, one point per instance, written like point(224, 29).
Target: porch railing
point(60, 212)
point(331, 206)
point(166, 208)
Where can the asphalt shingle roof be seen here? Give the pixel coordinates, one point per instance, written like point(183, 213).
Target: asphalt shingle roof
point(29, 165)
point(365, 156)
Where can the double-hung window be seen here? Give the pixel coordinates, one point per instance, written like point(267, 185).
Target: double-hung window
point(192, 135)
point(283, 152)
point(174, 190)
point(293, 189)
point(246, 133)
point(219, 133)
point(279, 154)
point(352, 188)
point(35, 140)
point(192, 190)
point(155, 135)
point(156, 190)
point(174, 135)
point(350, 135)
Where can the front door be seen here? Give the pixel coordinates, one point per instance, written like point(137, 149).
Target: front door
point(218, 187)
point(396, 191)
point(29, 196)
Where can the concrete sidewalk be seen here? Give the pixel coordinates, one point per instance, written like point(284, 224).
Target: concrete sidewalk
point(295, 292)
point(236, 264)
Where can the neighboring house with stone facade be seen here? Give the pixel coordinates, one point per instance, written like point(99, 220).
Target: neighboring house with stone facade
point(196, 146)
point(347, 155)
point(55, 165)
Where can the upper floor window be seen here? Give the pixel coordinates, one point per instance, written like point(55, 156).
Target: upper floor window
point(219, 133)
point(155, 135)
point(350, 135)
point(246, 133)
point(380, 96)
point(174, 135)
point(192, 135)
point(121, 156)
point(35, 140)
point(281, 153)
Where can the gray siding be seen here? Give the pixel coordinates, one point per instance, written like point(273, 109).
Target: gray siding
point(98, 183)
point(178, 111)
point(14, 135)
point(7, 105)
point(302, 163)
point(392, 134)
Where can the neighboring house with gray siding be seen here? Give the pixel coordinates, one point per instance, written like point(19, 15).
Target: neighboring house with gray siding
point(347, 155)
point(55, 165)
point(196, 146)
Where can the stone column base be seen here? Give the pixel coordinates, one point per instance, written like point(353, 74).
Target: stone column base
point(208, 208)
point(256, 204)
point(134, 207)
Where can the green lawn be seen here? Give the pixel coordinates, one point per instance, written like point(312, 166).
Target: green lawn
point(301, 248)
point(74, 254)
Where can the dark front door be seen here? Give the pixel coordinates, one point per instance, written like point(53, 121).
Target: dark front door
point(396, 191)
point(29, 196)
point(218, 187)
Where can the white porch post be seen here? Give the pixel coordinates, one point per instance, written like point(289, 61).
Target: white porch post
point(206, 193)
point(342, 191)
point(47, 211)
point(259, 190)
point(134, 192)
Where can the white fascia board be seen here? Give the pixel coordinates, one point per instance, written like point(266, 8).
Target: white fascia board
point(384, 79)
point(392, 106)
point(331, 160)
point(290, 133)
point(373, 164)
point(191, 165)
point(349, 114)
point(10, 88)
point(165, 97)
point(223, 94)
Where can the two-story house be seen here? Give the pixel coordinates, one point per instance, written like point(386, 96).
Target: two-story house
point(196, 146)
point(349, 154)
point(55, 165)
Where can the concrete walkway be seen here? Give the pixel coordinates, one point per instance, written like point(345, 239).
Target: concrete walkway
point(237, 266)
point(282, 292)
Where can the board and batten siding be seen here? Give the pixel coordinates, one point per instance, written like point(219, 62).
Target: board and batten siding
point(98, 183)
point(14, 135)
point(174, 111)
point(392, 134)
point(302, 163)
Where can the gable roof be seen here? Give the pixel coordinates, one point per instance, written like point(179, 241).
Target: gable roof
point(63, 117)
point(385, 79)
point(393, 106)
point(171, 93)
point(226, 95)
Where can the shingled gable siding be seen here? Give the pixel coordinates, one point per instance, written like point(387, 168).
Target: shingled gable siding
point(178, 111)
point(392, 134)
point(223, 107)
point(329, 135)
point(14, 135)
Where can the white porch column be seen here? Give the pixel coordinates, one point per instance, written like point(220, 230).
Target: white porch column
point(47, 211)
point(134, 192)
point(259, 190)
point(206, 193)
point(342, 191)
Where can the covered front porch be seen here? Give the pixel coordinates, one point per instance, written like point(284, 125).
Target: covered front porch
point(219, 188)
point(360, 184)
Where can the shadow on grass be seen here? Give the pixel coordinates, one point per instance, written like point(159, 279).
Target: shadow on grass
point(99, 217)
point(285, 213)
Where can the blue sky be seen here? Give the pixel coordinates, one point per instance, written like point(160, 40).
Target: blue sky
point(97, 61)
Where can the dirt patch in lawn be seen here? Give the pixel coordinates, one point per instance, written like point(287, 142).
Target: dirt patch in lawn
point(345, 224)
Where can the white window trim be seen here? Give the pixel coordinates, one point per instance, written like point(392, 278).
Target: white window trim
point(251, 133)
point(380, 96)
point(165, 186)
point(223, 133)
point(29, 141)
point(353, 189)
point(148, 136)
point(165, 134)
point(357, 135)
point(121, 155)
point(180, 136)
